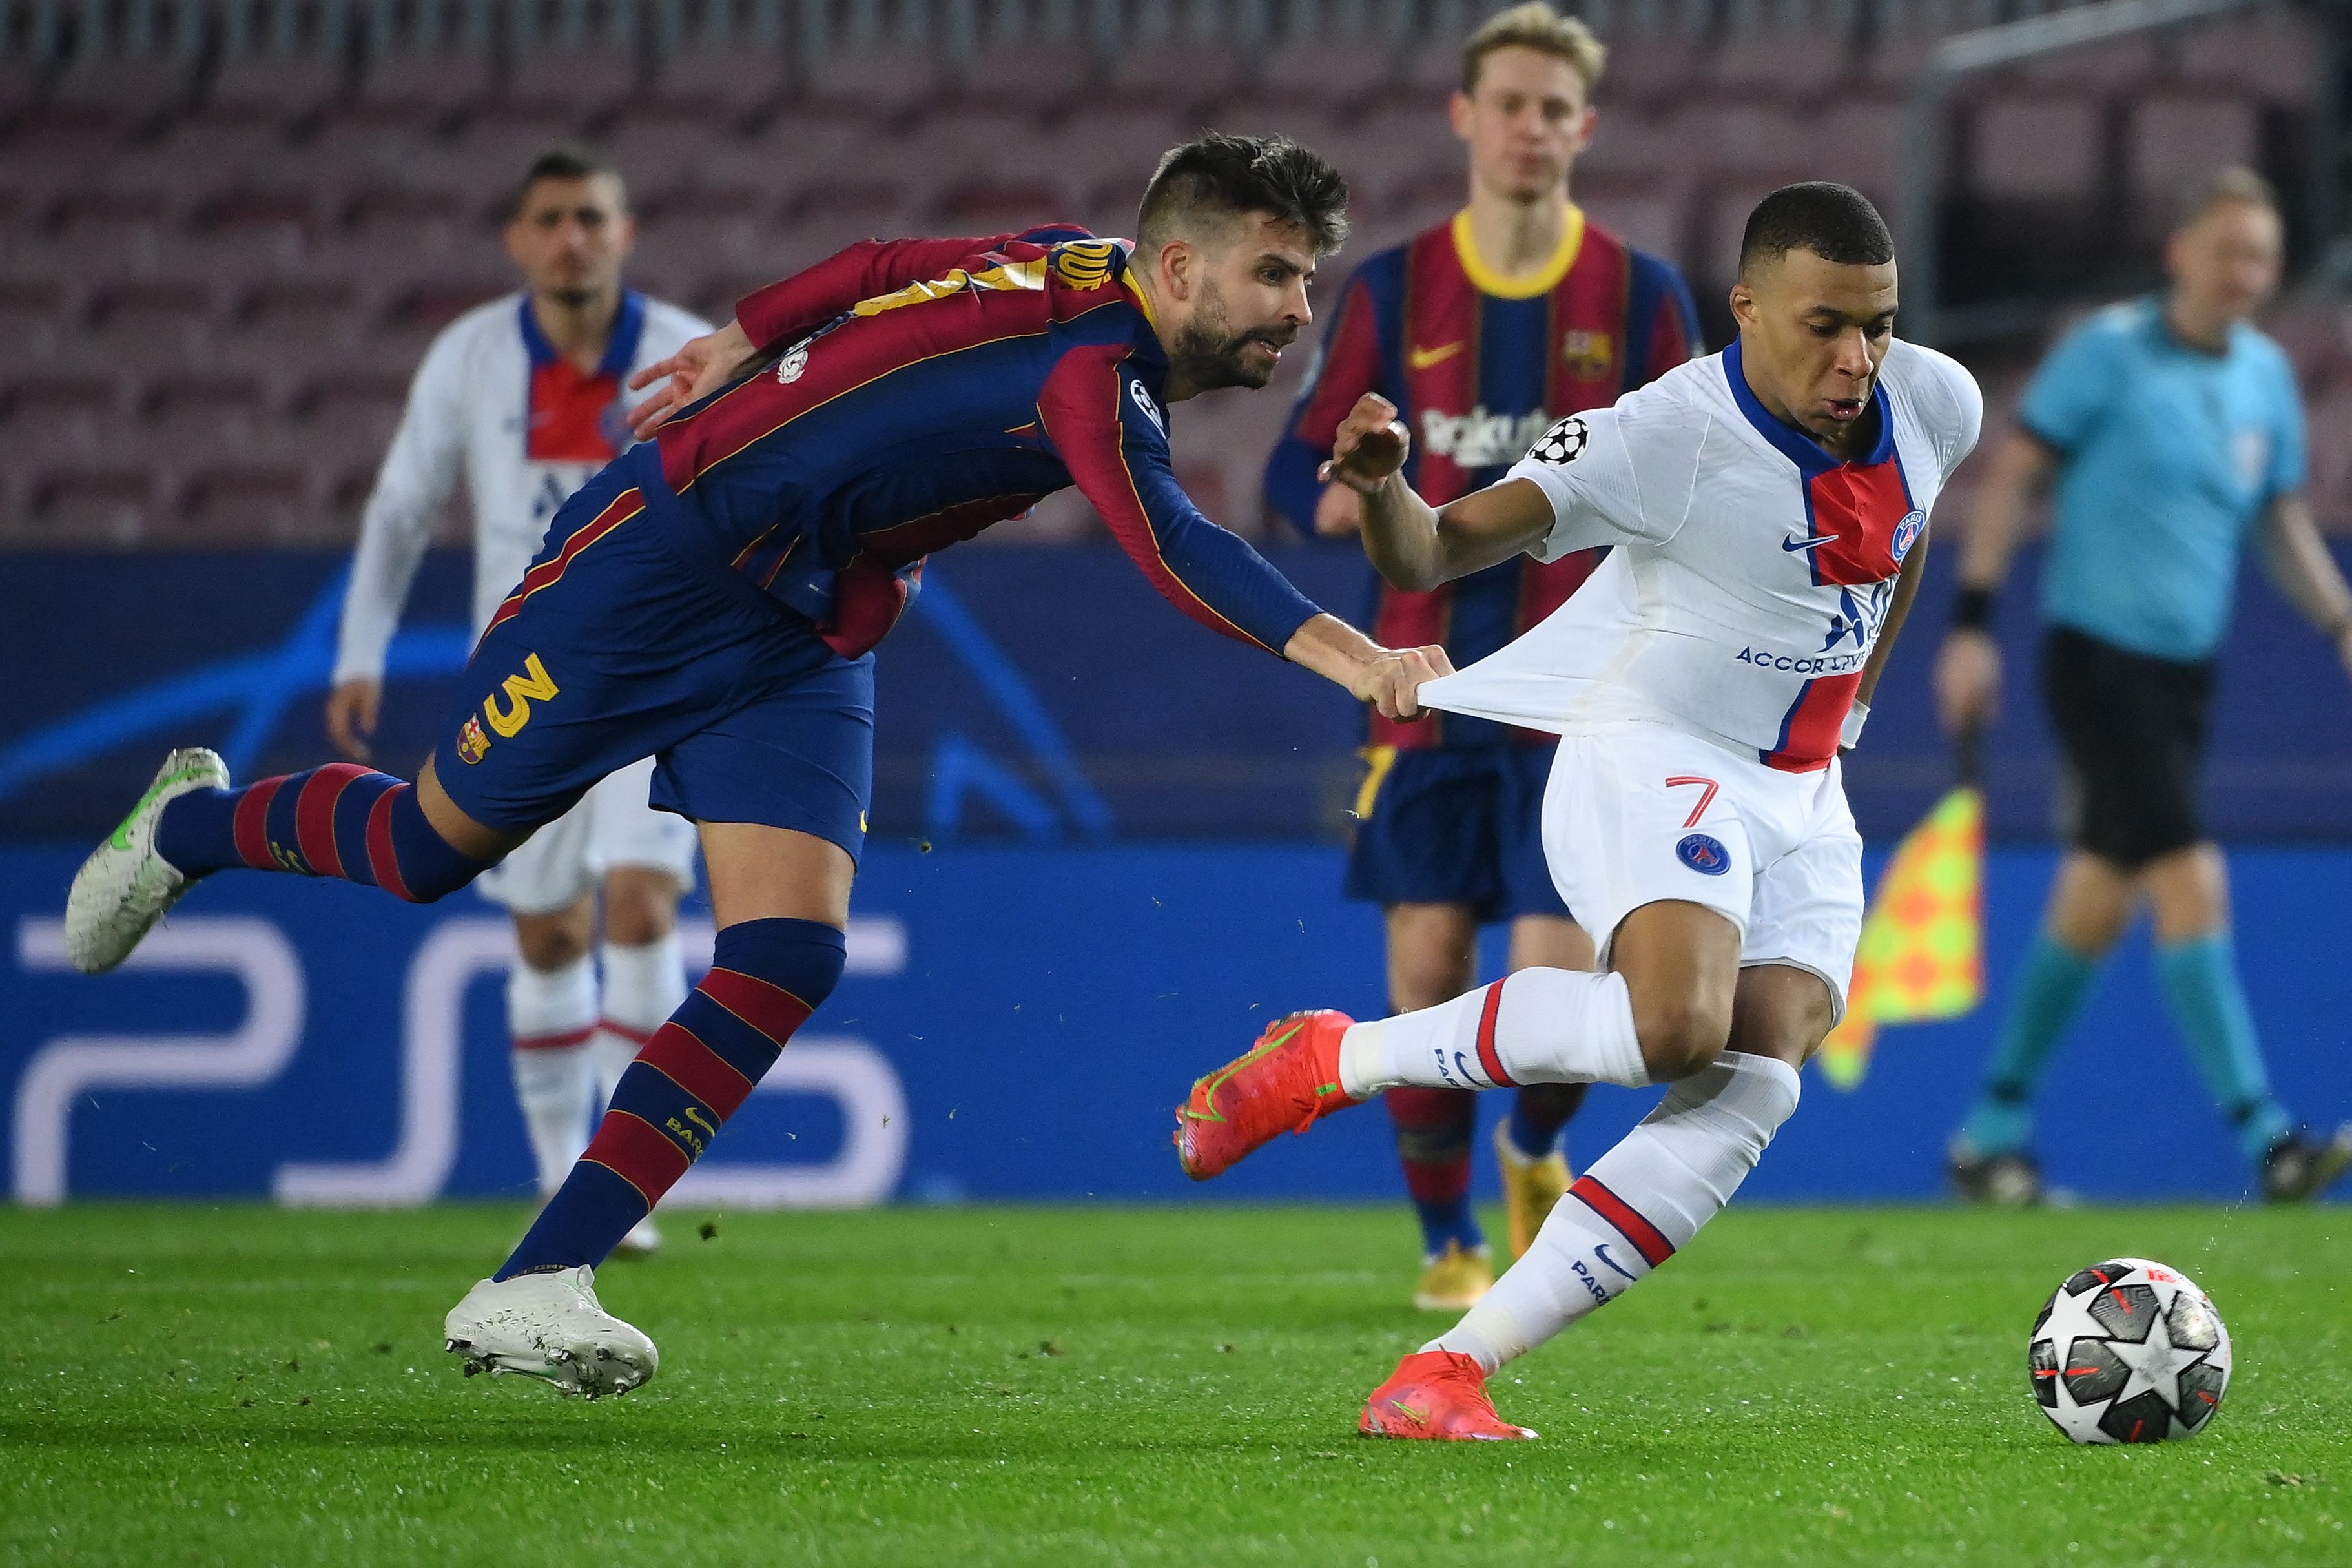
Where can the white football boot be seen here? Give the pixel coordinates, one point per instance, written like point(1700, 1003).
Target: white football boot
point(123, 888)
point(643, 1241)
point(550, 1327)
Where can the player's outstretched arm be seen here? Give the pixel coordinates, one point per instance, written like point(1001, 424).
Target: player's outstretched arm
point(1388, 678)
point(1412, 544)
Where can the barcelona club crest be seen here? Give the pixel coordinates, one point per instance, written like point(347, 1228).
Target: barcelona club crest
point(472, 744)
point(1590, 357)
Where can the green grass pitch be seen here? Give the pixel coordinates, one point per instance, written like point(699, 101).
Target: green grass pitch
point(1143, 1385)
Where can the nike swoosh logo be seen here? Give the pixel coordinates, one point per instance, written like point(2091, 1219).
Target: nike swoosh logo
point(1815, 543)
point(121, 839)
point(1423, 358)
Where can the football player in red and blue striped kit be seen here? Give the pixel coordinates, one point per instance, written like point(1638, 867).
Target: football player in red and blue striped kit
point(712, 597)
point(1482, 331)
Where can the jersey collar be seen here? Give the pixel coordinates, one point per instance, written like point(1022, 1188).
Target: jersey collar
point(620, 349)
point(1489, 281)
point(1794, 443)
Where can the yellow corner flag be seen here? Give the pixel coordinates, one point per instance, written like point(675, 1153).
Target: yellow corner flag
point(1922, 951)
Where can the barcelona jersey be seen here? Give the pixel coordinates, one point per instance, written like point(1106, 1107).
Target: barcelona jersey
point(1478, 366)
point(920, 391)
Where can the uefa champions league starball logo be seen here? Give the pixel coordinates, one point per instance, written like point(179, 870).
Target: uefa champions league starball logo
point(1562, 444)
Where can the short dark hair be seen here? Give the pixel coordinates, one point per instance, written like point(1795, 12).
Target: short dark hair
point(1219, 178)
point(562, 160)
point(1835, 221)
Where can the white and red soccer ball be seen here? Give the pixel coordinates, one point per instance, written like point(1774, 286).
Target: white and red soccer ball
point(2129, 1352)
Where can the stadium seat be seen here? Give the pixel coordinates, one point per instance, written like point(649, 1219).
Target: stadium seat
point(1345, 79)
point(188, 419)
point(426, 86)
point(164, 324)
point(1047, 80)
point(281, 86)
point(721, 83)
point(657, 150)
point(1189, 79)
point(63, 418)
point(878, 82)
point(584, 82)
point(2176, 140)
point(109, 233)
point(140, 88)
point(34, 318)
point(325, 312)
point(92, 505)
point(250, 233)
point(2049, 145)
point(278, 504)
point(2273, 52)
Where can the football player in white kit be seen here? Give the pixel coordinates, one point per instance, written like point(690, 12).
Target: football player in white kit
point(523, 396)
point(1766, 508)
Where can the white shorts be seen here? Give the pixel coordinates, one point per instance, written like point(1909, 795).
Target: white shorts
point(611, 825)
point(1638, 814)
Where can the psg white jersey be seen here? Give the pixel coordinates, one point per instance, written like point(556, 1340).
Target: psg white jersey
point(493, 401)
point(1751, 570)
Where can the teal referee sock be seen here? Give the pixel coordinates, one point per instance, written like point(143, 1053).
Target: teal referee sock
point(2208, 1002)
point(2049, 991)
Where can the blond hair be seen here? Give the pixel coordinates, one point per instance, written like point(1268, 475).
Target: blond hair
point(1535, 26)
point(2234, 184)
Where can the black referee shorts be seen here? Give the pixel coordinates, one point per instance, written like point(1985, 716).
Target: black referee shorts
point(2132, 731)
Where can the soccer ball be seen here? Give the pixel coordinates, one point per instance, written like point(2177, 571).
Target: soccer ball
point(2129, 1352)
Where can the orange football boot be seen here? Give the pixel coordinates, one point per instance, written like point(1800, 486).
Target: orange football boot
point(1289, 1080)
point(1438, 1396)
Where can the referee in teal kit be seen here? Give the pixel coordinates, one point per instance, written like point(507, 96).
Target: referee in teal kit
point(2172, 428)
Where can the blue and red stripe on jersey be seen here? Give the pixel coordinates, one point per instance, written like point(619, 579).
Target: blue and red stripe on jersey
point(1859, 524)
point(938, 387)
point(570, 415)
point(1477, 366)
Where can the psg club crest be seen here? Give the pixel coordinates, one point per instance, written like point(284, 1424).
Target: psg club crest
point(1562, 444)
point(1704, 853)
point(1907, 533)
point(472, 744)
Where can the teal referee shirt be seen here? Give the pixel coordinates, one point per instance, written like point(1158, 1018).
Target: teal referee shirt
point(2167, 456)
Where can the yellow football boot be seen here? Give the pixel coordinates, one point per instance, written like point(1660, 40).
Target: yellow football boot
point(1530, 1187)
point(1454, 1280)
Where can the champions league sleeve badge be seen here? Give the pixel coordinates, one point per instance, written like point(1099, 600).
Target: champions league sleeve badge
point(1562, 444)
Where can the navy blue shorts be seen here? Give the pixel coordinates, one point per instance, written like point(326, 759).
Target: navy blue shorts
point(620, 646)
point(1455, 828)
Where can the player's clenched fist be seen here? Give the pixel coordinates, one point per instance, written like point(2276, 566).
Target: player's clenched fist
point(1370, 445)
point(1392, 682)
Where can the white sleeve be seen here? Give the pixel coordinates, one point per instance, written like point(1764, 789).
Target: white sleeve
point(1956, 408)
point(1623, 475)
point(418, 474)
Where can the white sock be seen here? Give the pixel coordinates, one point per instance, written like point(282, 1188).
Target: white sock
point(1538, 1025)
point(643, 986)
point(1639, 1204)
point(551, 1013)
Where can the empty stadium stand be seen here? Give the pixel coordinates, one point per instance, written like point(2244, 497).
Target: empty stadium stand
point(229, 227)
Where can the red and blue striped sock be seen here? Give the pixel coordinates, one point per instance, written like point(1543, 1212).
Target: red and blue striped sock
point(1433, 1128)
point(766, 977)
point(341, 820)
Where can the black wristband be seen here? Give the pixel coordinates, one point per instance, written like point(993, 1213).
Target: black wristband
point(1972, 610)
